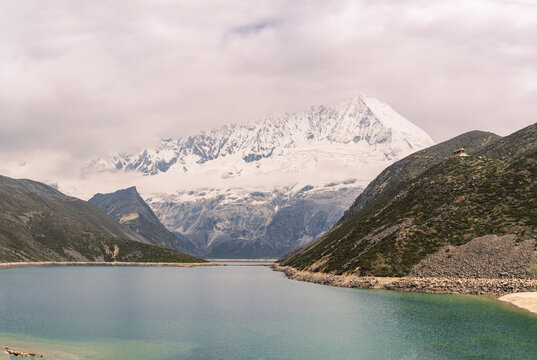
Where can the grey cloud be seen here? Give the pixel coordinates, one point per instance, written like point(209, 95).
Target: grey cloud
point(252, 28)
point(83, 79)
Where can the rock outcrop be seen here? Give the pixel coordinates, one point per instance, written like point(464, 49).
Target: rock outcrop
point(18, 353)
point(130, 210)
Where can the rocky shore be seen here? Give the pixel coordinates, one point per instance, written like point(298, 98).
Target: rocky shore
point(432, 285)
point(18, 353)
point(14, 265)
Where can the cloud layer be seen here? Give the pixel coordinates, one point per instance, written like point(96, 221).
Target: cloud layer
point(84, 79)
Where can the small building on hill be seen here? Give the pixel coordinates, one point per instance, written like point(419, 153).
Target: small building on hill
point(459, 152)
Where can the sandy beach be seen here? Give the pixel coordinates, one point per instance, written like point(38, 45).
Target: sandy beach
point(522, 300)
point(14, 265)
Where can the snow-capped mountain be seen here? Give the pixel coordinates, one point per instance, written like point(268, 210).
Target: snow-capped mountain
point(362, 131)
point(242, 223)
point(267, 187)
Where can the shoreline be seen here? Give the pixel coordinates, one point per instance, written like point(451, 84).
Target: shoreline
point(243, 260)
point(16, 265)
point(515, 292)
point(429, 285)
point(522, 300)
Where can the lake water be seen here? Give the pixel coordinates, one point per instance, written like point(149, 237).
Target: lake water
point(245, 312)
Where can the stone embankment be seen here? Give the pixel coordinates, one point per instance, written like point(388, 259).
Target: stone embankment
point(432, 285)
point(14, 265)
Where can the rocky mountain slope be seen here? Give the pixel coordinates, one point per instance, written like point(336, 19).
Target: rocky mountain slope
point(128, 208)
point(235, 191)
point(417, 224)
point(38, 223)
point(238, 223)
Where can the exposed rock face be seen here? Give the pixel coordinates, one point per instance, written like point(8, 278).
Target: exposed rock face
point(485, 257)
point(128, 207)
point(241, 224)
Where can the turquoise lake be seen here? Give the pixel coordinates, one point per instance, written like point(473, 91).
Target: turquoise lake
point(245, 312)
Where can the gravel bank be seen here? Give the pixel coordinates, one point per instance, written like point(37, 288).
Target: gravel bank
point(432, 285)
point(487, 257)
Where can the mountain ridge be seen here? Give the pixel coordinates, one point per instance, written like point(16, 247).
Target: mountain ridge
point(453, 202)
point(129, 209)
point(361, 124)
point(39, 223)
point(415, 164)
point(240, 223)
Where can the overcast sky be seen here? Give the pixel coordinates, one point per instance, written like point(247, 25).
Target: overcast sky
point(80, 79)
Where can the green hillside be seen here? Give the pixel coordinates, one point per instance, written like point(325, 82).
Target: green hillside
point(493, 191)
point(38, 223)
point(394, 176)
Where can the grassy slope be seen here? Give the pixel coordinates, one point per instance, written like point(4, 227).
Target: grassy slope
point(38, 223)
point(452, 202)
point(394, 176)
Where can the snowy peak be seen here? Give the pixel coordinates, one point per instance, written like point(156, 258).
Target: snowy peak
point(362, 130)
point(387, 116)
